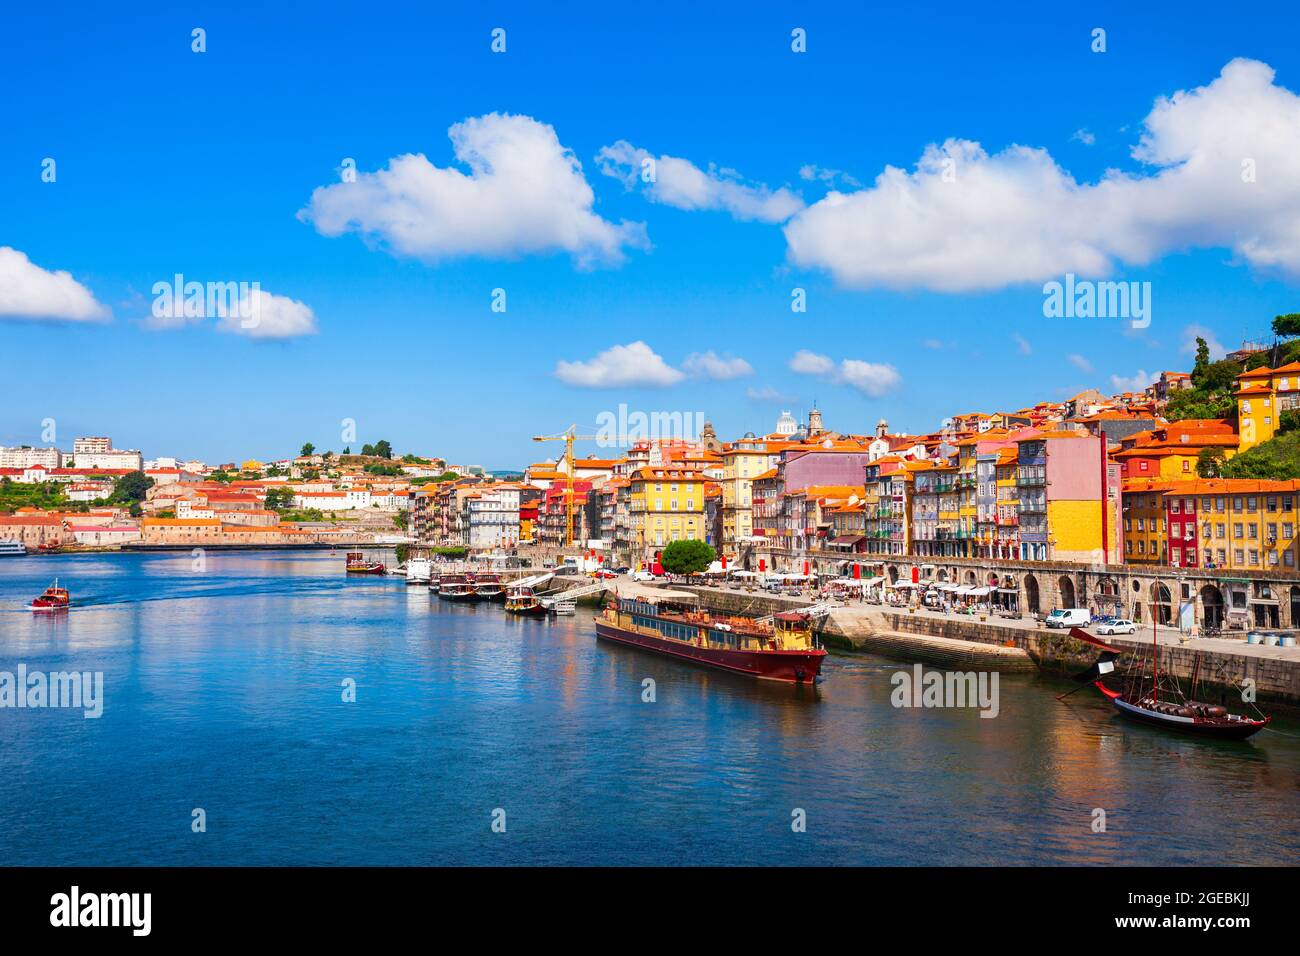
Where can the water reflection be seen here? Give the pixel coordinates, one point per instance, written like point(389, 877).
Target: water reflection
point(224, 690)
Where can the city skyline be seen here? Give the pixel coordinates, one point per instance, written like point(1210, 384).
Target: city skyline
point(668, 295)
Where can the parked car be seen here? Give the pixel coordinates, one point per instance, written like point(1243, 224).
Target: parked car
point(1117, 626)
point(623, 570)
point(1069, 617)
point(642, 576)
point(606, 573)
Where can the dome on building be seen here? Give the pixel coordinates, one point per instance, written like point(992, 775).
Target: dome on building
point(786, 425)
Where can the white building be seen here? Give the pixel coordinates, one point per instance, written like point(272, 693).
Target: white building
point(25, 456)
point(491, 519)
point(98, 452)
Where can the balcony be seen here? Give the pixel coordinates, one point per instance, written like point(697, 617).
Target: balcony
point(1033, 481)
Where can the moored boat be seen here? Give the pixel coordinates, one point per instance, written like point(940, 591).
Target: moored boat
point(358, 563)
point(12, 549)
point(488, 586)
point(1155, 698)
point(55, 598)
point(782, 650)
point(524, 601)
point(457, 587)
point(419, 571)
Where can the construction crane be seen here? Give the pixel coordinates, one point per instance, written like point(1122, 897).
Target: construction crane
point(568, 436)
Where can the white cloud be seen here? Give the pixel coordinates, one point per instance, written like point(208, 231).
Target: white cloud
point(1133, 383)
point(525, 194)
point(29, 292)
point(812, 173)
point(270, 317)
point(870, 378)
point(621, 365)
point(1022, 343)
point(768, 394)
point(682, 184)
point(1081, 363)
point(810, 363)
point(720, 368)
point(1190, 334)
point(964, 220)
point(1084, 137)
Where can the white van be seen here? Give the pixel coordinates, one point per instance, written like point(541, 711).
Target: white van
point(1069, 617)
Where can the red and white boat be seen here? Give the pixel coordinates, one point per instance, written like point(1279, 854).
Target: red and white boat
point(1150, 697)
point(524, 600)
point(782, 650)
point(358, 563)
point(55, 598)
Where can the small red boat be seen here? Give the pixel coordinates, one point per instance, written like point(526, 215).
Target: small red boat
point(358, 564)
point(55, 598)
point(526, 602)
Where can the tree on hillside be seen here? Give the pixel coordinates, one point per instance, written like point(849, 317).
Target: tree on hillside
point(383, 449)
point(1287, 326)
point(307, 449)
point(1202, 358)
point(279, 499)
point(687, 557)
point(1209, 463)
point(131, 488)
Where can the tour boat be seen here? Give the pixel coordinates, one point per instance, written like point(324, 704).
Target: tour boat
point(488, 586)
point(561, 606)
point(55, 598)
point(12, 549)
point(457, 587)
point(1150, 697)
point(781, 648)
point(524, 601)
point(419, 571)
point(359, 564)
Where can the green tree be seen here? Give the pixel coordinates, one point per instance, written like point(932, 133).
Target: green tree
point(368, 450)
point(279, 499)
point(1287, 326)
point(307, 449)
point(131, 488)
point(687, 557)
point(1209, 462)
point(400, 520)
point(1202, 358)
point(383, 449)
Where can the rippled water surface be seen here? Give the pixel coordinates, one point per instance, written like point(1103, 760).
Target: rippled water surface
point(223, 691)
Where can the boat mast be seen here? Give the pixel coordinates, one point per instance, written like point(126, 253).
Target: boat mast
point(1155, 644)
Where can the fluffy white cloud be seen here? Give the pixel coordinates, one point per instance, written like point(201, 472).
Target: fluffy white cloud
point(870, 378)
point(270, 317)
point(720, 368)
point(621, 365)
point(1084, 137)
point(680, 183)
point(1225, 175)
point(524, 194)
point(1192, 332)
point(1022, 344)
point(29, 292)
point(1081, 363)
point(1133, 383)
point(810, 363)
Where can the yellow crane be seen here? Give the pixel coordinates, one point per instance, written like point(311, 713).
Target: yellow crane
point(568, 436)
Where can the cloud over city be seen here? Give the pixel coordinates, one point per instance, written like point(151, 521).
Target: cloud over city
point(524, 194)
point(1223, 175)
point(870, 378)
point(31, 293)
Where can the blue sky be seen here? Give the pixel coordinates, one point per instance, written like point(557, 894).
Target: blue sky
point(172, 162)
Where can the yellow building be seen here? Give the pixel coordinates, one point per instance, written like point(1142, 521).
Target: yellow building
point(742, 462)
point(1262, 395)
point(666, 505)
